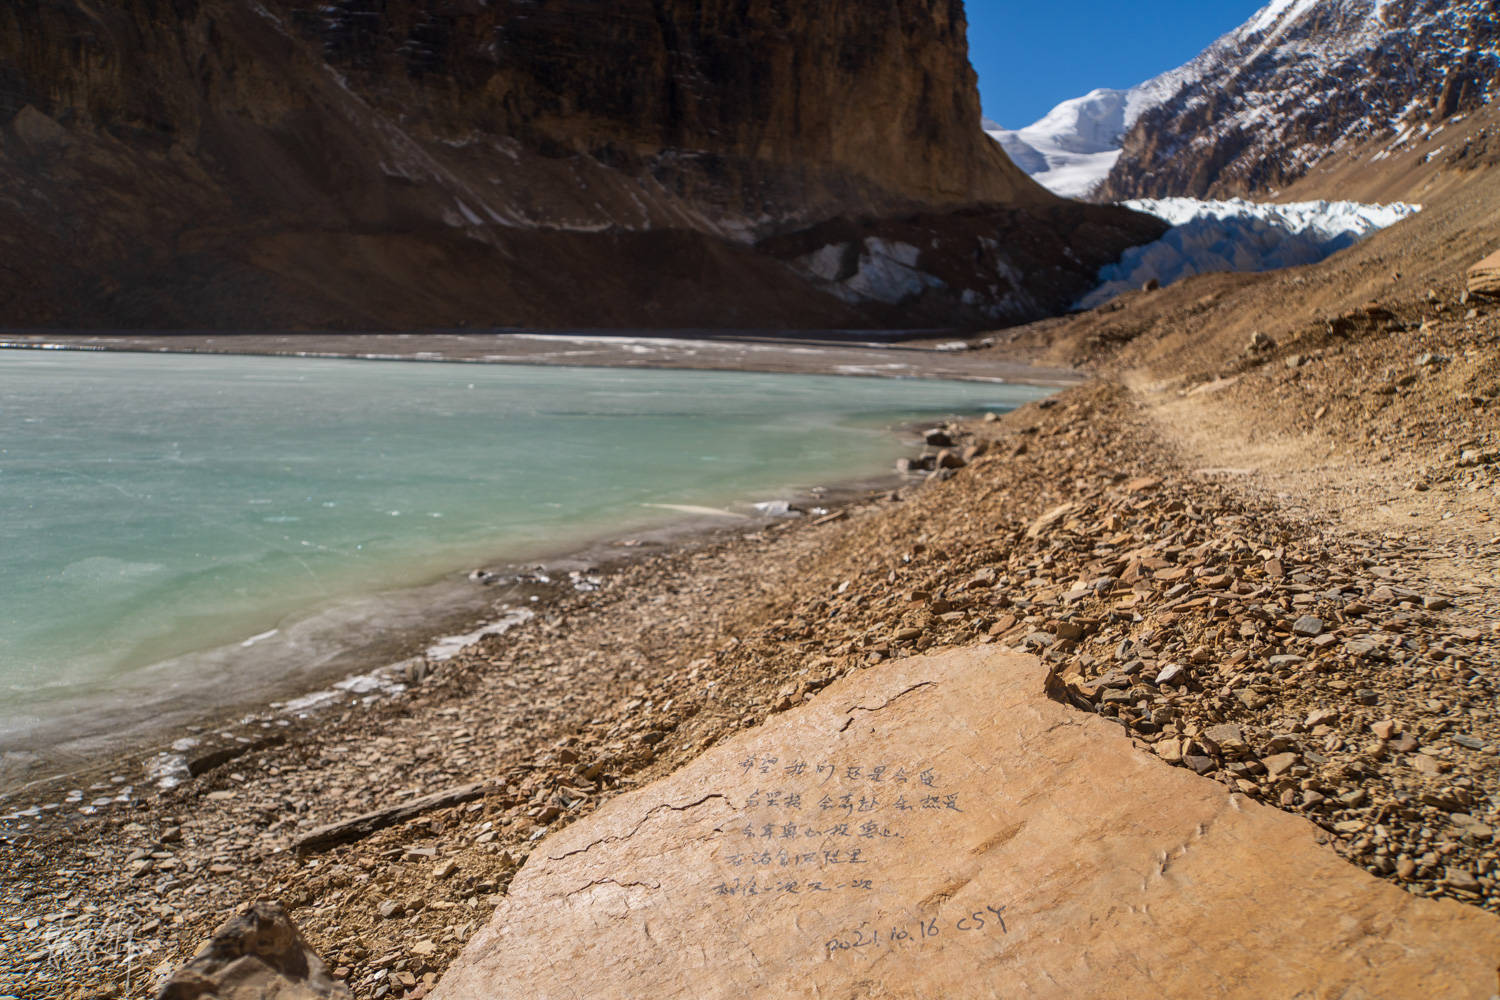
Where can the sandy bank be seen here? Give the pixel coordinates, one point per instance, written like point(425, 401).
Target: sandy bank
point(854, 353)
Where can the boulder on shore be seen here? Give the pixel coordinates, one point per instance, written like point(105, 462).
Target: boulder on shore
point(937, 827)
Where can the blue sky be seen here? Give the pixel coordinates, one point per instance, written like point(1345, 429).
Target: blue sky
point(1032, 55)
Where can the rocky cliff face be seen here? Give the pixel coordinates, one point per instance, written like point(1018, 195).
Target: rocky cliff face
point(1303, 79)
point(358, 163)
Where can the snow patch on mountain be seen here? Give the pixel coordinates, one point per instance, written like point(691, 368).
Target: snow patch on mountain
point(1239, 235)
point(1073, 148)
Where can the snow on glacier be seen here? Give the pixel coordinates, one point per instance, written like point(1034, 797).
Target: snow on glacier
point(1239, 235)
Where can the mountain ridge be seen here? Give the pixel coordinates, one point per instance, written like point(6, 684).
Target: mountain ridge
point(1268, 101)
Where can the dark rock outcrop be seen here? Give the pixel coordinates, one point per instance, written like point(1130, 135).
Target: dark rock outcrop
point(365, 164)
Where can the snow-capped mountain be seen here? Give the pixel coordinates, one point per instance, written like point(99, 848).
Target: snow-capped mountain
point(1264, 103)
point(1076, 145)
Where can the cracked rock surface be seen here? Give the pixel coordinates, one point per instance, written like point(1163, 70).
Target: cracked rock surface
point(965, 822)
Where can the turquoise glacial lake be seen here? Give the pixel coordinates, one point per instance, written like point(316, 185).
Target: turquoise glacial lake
point(161, 507)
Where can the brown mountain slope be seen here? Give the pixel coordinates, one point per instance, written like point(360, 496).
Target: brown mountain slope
point(209, 163)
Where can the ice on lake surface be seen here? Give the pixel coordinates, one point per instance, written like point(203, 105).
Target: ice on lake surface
point(158, 506)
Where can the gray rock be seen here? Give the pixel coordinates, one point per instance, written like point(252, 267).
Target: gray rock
point(1200, 764)
point(1461, 879)
point(1308, 625)
point(1172, 673)
point(1229, 737)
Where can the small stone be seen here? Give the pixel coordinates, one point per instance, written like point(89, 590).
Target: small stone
point(1278, 764)
point(1308, 625)
point(1069, 630)
point(390, 909)
point(1229, 737)
point(1468, 742)
point(1200, 764)
point(1320, 717)
point(1253, 700)
point(1354, 799)
point(1385, 729)
point(1405, 743)
point(1406, 868)
point(444, 870)
point(1461, 879)
point(1428, 766)
point(1434, 603)
point(423, 948)
point(1172, 673)
point(1169, 750)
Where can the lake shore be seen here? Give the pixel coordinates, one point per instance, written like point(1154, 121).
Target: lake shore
point(377, 613)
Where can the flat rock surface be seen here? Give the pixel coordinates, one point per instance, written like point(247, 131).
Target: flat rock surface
point(937, 827)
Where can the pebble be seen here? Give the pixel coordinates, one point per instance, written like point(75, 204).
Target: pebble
point(1308, 625)
point(1461, 879)
point(1278, 764)
point(1172, 673)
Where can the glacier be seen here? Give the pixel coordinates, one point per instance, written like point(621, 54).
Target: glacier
point(1240, 235)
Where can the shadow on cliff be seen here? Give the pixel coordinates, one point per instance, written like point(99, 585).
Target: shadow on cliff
point(214, 165)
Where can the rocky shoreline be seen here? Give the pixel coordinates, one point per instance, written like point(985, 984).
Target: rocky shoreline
point(1161, 597)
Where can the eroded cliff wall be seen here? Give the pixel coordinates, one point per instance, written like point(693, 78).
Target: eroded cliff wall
point(232, 163)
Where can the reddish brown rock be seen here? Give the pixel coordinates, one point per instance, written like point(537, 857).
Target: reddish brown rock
point(939, 828)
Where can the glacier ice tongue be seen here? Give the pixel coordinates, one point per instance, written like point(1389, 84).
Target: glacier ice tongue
point(1240, 235)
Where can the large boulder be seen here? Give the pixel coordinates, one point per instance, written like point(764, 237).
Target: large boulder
point(258, 955)
point(938, 827)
